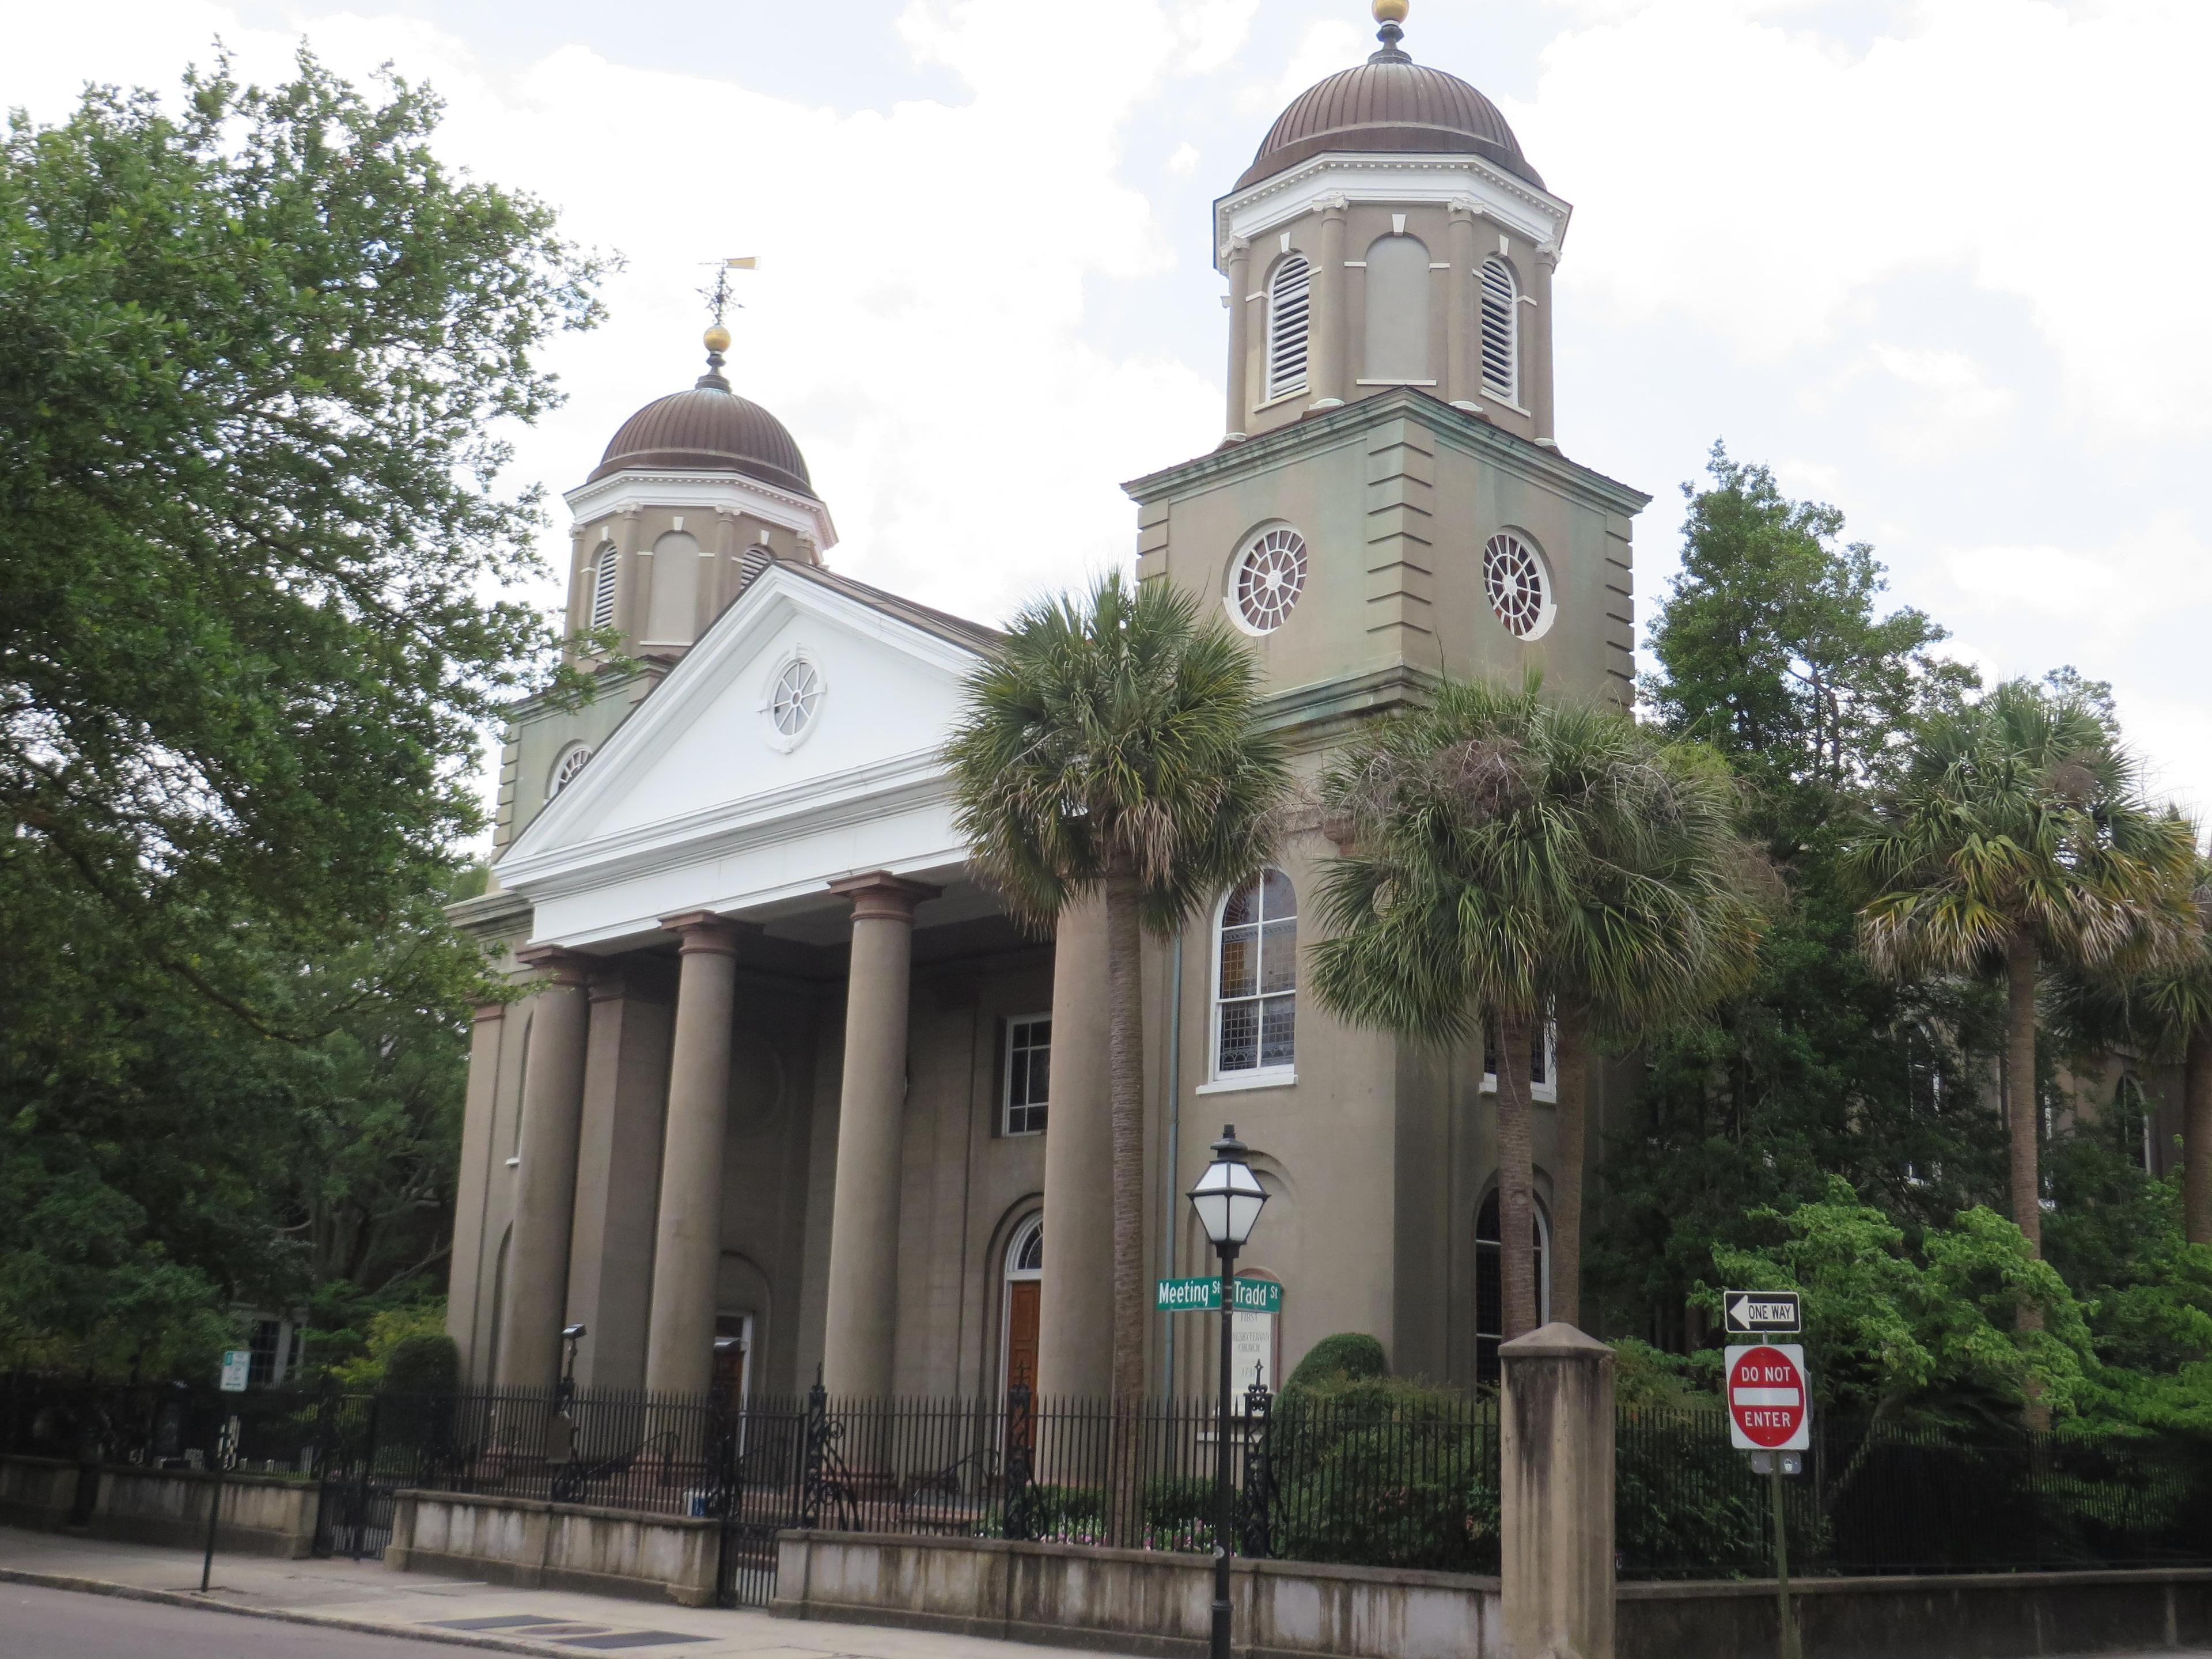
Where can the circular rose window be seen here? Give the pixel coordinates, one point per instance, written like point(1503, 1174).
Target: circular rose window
point(798, 694)
point(1269, 579)
point(1520, 592)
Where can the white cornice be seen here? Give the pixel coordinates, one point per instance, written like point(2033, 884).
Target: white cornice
point(738, 492)
point(1441, 180)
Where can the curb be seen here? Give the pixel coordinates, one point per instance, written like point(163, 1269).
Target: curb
point(285, 1615)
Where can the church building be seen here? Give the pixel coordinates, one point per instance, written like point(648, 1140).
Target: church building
point(786, 1087)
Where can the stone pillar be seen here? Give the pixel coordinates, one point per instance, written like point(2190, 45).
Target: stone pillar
point(1075, 1325)
point(1462, 375)
point(610, 1242)
point(687, 1255)
point(1555, 1495)
point(1540, 345)
point(1240, 332)
point(1330, 327)
point(862, 1318)
point(545, 1183)
point(463, 1310)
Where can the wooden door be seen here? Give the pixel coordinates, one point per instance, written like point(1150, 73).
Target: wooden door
point(1022, 1332)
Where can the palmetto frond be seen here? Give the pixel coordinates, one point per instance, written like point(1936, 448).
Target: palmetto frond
point(1114, 732)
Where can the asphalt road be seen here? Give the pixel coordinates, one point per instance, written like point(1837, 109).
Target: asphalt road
point(36, 1623)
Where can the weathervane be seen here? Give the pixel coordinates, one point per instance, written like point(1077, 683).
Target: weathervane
point(718, 302)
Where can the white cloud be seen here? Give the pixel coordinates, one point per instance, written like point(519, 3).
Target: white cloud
point(1184, 161)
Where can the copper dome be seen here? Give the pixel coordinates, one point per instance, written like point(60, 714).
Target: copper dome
point(1389, 103)
point(707, 429)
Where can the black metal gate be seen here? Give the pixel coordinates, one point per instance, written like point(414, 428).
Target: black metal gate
point(763, 1454)
point(354, 1517)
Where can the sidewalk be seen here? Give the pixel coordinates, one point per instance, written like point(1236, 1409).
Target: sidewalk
point(366, 1596)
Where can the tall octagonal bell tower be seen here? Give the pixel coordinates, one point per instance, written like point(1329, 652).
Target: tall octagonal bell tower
point(1390, 503)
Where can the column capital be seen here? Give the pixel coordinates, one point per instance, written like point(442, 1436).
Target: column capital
point(704, 931)
point(879, 895)
point(556, 964)
point(1547, 255)
point(1336, 206)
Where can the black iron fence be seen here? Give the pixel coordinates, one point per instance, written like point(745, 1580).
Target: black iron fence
point(1876, 1497)
point(1406, 1479)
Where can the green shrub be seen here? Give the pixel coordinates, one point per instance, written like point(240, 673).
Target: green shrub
point(1176, 1501)
point(423, 1362)
point(1349, 1353)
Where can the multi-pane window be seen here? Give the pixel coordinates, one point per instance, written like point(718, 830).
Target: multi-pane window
point(1255, 995)
point(1028, 1073)
point(1289, 306)
point(571, 762)
point(1269, 579)
point(603, 589)
point(1490, 1281)
point(1513, 577)
point(1501, 357)
point(263, 1351)
point(2136, 1124)
point(1543, 1046)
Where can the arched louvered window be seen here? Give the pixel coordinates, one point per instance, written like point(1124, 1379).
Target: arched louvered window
point(603, 589)
point(1290, 308)
point(1501, 354)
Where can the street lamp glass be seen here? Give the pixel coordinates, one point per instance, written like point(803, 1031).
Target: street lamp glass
point(1228, 1196)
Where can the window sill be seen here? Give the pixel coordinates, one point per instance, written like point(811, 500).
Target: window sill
point(1544, 1094)
point(1297, 391)
point(1501, 401)
point(1240, 1083)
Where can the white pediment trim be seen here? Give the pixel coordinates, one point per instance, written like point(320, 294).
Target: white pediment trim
point(559, 854)
point(732, 492)
point(1442, 179)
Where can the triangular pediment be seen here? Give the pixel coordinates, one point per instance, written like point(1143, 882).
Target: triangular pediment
point(705, 760)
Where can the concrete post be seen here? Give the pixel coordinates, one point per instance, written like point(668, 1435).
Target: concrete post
point(862, 1318)
point(1240, 339)
point(679, 1346)
point(1462, 378)
point(1540, 345)
point(1331, 330)
point(1075, 1320)
point(545, 1183)
point(1555, 1496)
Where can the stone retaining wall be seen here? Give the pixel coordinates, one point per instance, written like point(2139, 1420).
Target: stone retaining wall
point(1142, 1601)
point(529, 1543)
point(262, 1515)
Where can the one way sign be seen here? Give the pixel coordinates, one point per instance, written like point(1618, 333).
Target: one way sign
point(1766, 1313)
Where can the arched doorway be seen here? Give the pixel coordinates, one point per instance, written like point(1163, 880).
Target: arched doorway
point(1024, 1276)
point(1489, 1280)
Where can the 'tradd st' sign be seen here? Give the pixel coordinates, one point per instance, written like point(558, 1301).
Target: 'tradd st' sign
point(1769, 1398)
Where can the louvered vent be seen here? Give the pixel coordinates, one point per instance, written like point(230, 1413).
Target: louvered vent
point(1290, 303)
point(603, 589)
point(1500, 361)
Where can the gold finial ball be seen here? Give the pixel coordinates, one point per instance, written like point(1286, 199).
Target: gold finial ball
point(1391, 11)
point(718, 338)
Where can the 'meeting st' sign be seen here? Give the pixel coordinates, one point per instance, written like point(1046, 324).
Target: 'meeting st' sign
point(1203, 1295)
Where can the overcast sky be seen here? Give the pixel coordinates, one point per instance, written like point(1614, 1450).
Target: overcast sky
point(1944, 265)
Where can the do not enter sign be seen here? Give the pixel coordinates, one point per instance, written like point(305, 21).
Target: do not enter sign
point(1769, 1398)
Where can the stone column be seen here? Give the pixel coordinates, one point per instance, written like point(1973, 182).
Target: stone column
point(679, 1344)
point(1555, 1495)
point(863, 1311)
point(1330, 326)
point(1540, 344)
point(545, 1183)
point(463, 1289)
point(1240, 332)
point(1075, 1324)
point(1462, 378)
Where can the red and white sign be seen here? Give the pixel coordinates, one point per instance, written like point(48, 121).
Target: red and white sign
point(1769, 1398)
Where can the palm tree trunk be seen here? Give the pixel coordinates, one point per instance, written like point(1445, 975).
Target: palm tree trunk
point(1517, 1219)
point(1125, 1064)
point(1571, 1078)
point(2022, 1118)
point(2196, 1138)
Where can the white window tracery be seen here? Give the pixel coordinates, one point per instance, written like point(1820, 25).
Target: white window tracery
point(796, 697)
point(572, 761)
point(1269, 577)
point(1518, 585)
point(1029, 1074)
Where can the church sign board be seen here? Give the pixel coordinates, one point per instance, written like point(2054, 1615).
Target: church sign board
point(1203, 1295)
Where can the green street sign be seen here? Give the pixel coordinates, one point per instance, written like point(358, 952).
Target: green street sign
point(1203, 1295)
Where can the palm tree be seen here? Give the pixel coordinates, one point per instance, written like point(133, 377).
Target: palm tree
point(1112, 745)
point(2016, 837)
point(1509, 855)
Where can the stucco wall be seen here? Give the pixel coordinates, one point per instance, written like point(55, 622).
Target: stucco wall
point(532, 1545)
point(261, 1514)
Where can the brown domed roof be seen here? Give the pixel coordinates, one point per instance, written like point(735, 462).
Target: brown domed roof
point(708, 428)
point(1389, 103)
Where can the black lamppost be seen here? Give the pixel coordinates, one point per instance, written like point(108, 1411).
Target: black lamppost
point(1228, 1199)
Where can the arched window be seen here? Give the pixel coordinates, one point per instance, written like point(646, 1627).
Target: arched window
point(1490, 1279)
point(1501, 355)
point(1397, 312)
point(565, 770)
point(2137, 1123)
point(1024, 1275)
point(1255, 979)
point(1518, 585)
point(1290, 305)
point(603, 589)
